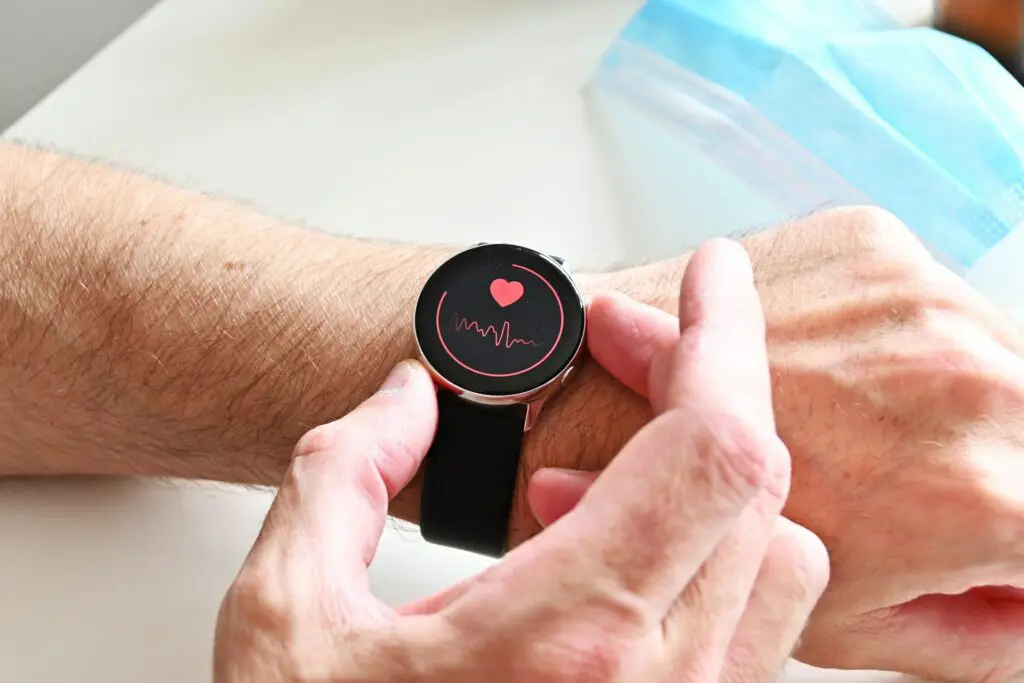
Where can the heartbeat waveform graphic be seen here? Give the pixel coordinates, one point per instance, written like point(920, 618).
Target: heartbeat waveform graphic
point(502, 336)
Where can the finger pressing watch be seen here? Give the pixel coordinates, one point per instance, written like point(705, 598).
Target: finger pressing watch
point(501, 328)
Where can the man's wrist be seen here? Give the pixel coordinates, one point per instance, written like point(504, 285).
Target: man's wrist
point(588, 422)
point(655, 284)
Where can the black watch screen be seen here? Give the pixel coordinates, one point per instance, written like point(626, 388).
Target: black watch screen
point(499, 320)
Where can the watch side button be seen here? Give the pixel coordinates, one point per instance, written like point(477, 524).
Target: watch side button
point(558, 259)
point(568, 373)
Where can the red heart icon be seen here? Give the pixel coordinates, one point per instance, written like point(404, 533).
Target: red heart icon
point(506, 293)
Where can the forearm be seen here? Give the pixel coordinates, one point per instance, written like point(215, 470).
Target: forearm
point(151, 331)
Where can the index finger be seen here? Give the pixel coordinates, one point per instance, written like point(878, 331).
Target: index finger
point(721, 354)
point(650, 521)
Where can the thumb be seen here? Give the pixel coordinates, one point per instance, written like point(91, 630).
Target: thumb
point(627, 337)
point(331, 509)
point(553, 492)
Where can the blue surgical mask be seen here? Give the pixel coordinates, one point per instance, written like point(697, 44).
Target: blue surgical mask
point(837, 105)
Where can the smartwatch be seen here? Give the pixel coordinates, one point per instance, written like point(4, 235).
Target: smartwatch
point(500, 327)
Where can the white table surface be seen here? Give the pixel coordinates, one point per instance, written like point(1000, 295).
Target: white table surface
point(451, 120)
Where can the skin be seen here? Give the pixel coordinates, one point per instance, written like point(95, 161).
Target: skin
point(151, 331)
point(994, 24)
point(723, 597)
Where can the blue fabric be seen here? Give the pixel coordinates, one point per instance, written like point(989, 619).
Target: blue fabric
point(928, 126)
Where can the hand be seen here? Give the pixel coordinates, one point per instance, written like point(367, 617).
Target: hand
point(900, 394)
point(675, 565)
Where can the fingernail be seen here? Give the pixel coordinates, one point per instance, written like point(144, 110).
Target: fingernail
point(570, 476)
point(398, 378)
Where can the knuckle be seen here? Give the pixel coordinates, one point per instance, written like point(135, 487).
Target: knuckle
point(374, 454)
point(956, 372)
point(917, 307)
point(317, 440)
point(621, 615)
point(579, 655)
point(249, 584)
point(738, 454)
point(930, 294)
point(798, 564)
point(978, 393)
point(778, 468)
point(873, 229)
point(357, 458)
point(253, 602)
point(264, 620)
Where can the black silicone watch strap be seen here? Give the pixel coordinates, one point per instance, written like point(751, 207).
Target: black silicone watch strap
point(469, 477)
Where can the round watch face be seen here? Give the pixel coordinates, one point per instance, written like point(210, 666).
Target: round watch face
point(499, 320)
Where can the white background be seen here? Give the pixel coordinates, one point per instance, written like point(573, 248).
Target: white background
point(42, 41)
point(441, 120)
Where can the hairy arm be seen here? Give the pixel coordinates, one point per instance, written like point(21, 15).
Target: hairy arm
point(150, 331)
point(147, 330)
